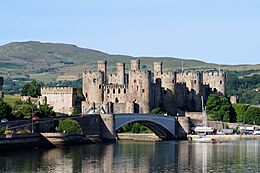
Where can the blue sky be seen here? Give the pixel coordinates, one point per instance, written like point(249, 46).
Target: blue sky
point(219, 31)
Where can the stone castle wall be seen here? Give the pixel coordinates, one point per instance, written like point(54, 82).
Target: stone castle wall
point(137, 92)
point(61, 98)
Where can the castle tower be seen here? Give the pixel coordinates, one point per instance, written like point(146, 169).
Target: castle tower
point(135, 64)
point(157, 70)
point(92, 89)
point(169, 92)
point(121, 73)
point(193, 82)
point(1, 87)
point(216, 81)
point(139, 90)
point(102, 66)
point(145, 90)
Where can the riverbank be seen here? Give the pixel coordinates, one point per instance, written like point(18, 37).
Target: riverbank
point(228, 137)
point(138, 136)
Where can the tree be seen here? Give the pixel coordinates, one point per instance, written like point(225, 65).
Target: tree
point(69, 125)
point(45, 111)
point(219, 109)
point(252, 115)
point(32, 89)
point(5, 110)
point(240, 110)
point(157, 110)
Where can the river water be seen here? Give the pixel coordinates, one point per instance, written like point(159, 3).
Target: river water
point(131, 156)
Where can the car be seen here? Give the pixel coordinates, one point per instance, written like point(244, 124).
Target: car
point(256, 132)
point(4, 120)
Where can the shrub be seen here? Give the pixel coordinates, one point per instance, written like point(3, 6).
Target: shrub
point(69, 126)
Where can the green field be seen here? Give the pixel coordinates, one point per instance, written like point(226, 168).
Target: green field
point(11, 99)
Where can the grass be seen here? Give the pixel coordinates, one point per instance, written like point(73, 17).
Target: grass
point(11, 99)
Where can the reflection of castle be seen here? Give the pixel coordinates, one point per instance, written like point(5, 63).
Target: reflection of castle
point(137, 92)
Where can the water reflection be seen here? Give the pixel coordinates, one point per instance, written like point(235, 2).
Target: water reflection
point(129, 156)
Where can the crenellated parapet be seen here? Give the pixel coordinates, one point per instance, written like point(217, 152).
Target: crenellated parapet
point(216, 81)
point(57, 90)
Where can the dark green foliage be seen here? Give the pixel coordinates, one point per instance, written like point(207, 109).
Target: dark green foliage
point(219, 109)
point(32, 89)
point(243, 87)
point(5, 110)
point(157, 110)
point(240, 110)
point(134, 128)
point(69, 125)
point(252, 115)
point(25, 110)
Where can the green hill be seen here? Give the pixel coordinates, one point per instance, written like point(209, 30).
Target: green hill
point(47, 61)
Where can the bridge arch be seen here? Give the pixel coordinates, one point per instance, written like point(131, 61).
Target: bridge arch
point(162, 126)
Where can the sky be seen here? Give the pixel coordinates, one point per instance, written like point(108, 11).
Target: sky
point(216, 31)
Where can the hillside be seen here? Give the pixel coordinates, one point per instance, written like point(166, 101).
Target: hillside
point(47, 61)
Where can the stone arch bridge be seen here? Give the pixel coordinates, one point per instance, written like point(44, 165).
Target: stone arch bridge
point(162, 126)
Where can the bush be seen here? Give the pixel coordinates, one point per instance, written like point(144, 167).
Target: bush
point(69, 126)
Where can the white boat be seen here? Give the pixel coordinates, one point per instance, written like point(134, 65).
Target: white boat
point(203, 130)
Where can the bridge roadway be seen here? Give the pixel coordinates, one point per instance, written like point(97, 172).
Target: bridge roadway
point(162, 126)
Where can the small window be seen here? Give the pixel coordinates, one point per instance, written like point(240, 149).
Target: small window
point(124, 90)
point(195, 81)
point(116, 100)
point(94, 80)
point(143, 90)
point(220, 82)
point(108, 91)
point(99, 86)
point(119, 91)
point(114, 91)
point(135, 81)
point(137, 87)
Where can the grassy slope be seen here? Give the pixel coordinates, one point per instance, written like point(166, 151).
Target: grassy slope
point(11, 99)
point(32, 57)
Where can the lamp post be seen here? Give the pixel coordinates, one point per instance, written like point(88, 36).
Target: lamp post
point(32, 118)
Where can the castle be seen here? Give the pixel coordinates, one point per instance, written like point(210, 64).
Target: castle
point(140, 92)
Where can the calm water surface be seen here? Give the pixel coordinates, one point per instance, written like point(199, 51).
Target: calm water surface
point(130, 156)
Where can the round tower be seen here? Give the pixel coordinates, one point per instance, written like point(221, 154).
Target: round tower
point(169, 92)
point(145, 90)
point(120, 73)
point(93, 87)
point(135, 64)
point(157, 70)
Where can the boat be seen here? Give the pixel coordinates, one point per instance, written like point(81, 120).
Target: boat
point(204, 129)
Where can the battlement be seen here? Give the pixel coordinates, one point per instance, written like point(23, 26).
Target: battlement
point(190, 74)
point(95, 72)
point(57, 90)
point(215, 73)
point(169, 74)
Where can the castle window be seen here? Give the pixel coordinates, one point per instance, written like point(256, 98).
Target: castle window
point(114, 91)
point(135, 81)
point(108, 91)
point(124, 90)
point(137, 87)
point(195, 81)
point(119, 91)
point(116, 100)
point(94, 80)
point(220, 82)
point(99, 86)
point(143, 90)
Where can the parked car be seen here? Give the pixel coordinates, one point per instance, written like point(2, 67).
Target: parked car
point(257, 132)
